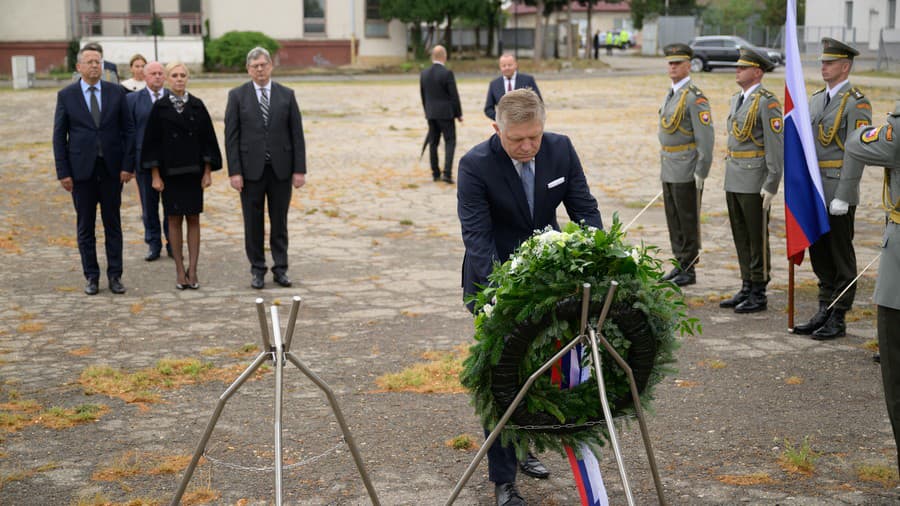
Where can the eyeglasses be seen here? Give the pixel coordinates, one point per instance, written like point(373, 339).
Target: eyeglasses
point(259, 66)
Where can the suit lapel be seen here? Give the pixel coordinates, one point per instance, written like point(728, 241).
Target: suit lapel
point(543, 172)
point(512, 179)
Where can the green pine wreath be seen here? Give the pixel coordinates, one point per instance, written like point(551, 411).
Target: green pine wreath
point(532, 305)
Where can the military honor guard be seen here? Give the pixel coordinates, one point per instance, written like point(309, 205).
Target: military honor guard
point(753, 169)
point(835, 111)
point(686, 138)
point(880, 146)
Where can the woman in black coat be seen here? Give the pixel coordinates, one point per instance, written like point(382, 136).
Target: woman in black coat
point(181, 150)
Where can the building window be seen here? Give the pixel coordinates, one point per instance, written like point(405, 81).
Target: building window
point(848, 14)
point(189, 18)
point(375, 24)
point(891, 14)
point(140, 17)
point(314, 17)
point(91, 23)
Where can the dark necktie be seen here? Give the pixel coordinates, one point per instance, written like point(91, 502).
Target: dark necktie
point(527, 176)
point(740, 102)
point(264, 105)
point(670, 95)
point(509, 85)
point(827, 98)
point(95, 106)
point(155, 96)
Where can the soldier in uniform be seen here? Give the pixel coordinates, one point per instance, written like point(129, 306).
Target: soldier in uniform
point(881, 146)
point(753, 168)
point(686, 137)
point(835, 110)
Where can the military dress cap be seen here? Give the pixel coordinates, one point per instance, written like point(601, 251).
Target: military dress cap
point(678, 52)
point(751, 57)
point(836, 50)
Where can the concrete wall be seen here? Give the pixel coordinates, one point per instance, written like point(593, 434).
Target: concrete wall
point(36, 20)
point(278, 19)
point(825, 17)
point(119, 50)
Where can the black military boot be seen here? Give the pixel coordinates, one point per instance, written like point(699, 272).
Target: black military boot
point(815, 322)
point(685, 278)
point(834, 327)
point(739, 297)
point(756, 301)
point(671, 274)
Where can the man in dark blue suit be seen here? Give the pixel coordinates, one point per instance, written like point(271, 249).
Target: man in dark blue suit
point(92, 134)
point(511, 79)
point(508, 187)
point(139, 105)
point(440, 99)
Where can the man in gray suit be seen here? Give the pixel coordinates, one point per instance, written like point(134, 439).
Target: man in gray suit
point(835, 111)
point(266, 156)
point(753, 166)
point(686, 138)
point(881, 146)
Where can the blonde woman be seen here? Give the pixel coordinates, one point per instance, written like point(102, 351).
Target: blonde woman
point(136, 82)
point(181, 150)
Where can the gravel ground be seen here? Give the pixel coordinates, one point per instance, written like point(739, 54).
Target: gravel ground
point(375, 251)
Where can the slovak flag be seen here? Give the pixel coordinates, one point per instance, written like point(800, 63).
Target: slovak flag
point(805, 209)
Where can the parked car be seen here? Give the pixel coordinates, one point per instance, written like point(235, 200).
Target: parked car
point(711, 51)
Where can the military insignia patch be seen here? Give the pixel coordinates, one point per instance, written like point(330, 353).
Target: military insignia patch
point(704, 117)
point(889, 134)
point(870, 135)
point(775, 123)
point(864, 106)
point(701, 100)
point(861, 123)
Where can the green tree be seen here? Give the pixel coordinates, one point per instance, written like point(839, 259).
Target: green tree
point(229, 52)
point(482, 14)
point(414, 13)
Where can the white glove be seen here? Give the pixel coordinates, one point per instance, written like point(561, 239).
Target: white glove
point(767, 199)
point(838, 207)
point(698, 180)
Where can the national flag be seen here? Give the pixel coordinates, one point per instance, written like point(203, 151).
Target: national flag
point(805, 209)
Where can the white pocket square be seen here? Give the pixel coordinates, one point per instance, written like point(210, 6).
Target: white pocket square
point(556, 182)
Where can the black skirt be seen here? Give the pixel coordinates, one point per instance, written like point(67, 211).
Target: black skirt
point(182, 195)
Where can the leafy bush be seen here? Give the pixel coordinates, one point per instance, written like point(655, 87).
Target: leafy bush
point(229, 52)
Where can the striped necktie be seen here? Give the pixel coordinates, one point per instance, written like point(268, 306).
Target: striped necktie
point(264, 105)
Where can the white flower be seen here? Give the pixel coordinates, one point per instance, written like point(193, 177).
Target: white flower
point(488, 309)
point(635, 255)
point(515, 263)
point(550, 236)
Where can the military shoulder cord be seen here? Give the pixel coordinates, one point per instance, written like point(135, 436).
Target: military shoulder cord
point(893, 209)
point(831, 136)
point(746, 132)
point(674, 122)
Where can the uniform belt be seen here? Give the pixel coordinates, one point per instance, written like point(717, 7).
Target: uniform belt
point(746, 154)
point(681, 147)
point(831, 164)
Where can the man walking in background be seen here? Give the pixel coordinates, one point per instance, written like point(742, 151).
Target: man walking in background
point(441, 102)
point(266, 157)
point(835, 111)
point(510, 79)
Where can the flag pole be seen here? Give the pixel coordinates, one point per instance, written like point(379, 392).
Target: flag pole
point(790, 307)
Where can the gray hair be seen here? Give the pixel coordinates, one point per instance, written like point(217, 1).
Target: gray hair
point(88, 47)
point(520, 106)
point(256, 52)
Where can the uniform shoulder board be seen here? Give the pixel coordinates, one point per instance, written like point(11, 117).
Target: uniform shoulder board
point(697, 91)
point(766, 93)
point(819, 91)
point(856, 93)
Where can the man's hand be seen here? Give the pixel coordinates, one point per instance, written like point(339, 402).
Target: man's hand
point(299, 179)
point(157, 184)
point(237, 182)
point(66, 183)
point(125, 176)
point(206, 180)
point(460, 119)
point(698, 181)
point(838, 207)
point(767, 199)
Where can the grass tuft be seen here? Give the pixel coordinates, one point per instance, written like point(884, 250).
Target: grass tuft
point(879, 473)
point(439, 375)
point(462, 442)
point(799, 459)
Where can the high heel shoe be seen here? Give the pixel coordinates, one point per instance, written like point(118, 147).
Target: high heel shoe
point(193, 286)
point(179, 286)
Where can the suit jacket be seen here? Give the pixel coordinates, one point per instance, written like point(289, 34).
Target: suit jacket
point(493, 211)
point(139, 105)
point(679, 161)
point(497, 89)
point(755, 161)
point(184, 140)
point(439, 95)
point(75, 137)
point(830, 131)
point(247, 138)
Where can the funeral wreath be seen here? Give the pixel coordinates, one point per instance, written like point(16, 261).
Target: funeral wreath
point(531, 308)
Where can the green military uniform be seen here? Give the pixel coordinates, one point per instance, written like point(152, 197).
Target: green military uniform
point(686, 138)
point(834, 114)
point(881, 146)
point(754, 162)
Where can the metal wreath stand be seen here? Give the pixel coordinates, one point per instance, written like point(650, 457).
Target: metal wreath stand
point(591, 336)
point(278, 353)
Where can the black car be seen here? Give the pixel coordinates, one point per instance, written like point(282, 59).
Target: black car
point(711, 51)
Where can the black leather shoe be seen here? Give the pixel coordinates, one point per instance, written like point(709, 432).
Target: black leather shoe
point(876, 358)
point(534, 468)
point(739, 297)
point(282, 279)
point(116, 286)
point(447, 179)
point(437, 177)
point(685, 278)
point(815, 322)
point(756, 301)
point(152, 255)
point(834, 327)
point(508, 495)
point(671, 274)
point(257, 281)
point(92, 287)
